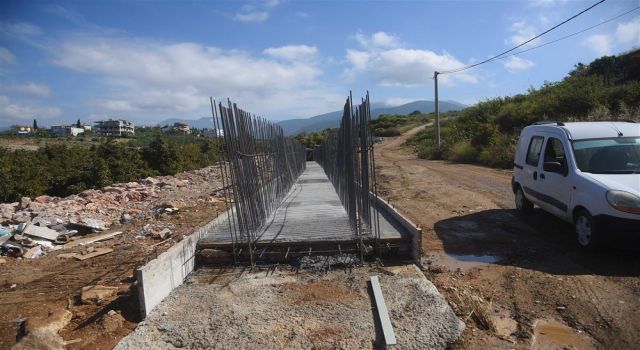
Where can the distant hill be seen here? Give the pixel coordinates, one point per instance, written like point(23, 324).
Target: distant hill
point(332, 119)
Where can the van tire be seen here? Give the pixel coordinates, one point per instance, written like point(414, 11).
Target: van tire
point(587, 233)
point(522, 203)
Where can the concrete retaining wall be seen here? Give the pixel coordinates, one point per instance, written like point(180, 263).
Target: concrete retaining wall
point(163, 274)
point(413, 229)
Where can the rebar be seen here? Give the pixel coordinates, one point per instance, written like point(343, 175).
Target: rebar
point(259, 166)
point(347, 158)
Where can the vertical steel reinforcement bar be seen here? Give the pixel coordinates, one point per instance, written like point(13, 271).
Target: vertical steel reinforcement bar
point(258, 167)
point(347, 158)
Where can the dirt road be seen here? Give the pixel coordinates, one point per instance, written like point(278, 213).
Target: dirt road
point(518, 282)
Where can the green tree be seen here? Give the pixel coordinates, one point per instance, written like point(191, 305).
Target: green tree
point(78, 125)
point(35, 125)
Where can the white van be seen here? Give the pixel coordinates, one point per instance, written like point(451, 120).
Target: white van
point(586, 173)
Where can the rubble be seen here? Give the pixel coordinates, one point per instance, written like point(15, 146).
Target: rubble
point(55, 223)
point(96, 294)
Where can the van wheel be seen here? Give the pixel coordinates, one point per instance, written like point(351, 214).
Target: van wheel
point(522, 203)
point(586, 231)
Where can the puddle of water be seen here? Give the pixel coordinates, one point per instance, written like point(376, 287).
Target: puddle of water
point(549, 334)
point(454, 262)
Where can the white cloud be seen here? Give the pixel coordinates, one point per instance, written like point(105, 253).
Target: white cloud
point(301, 14)
point(30, 88)
point(259, 16)
point(514, 64)
point(25, 111)
point(406, 67)
point(629, 32)
point(546, 3)
point(599, 43)
point(6, 56)
point(20, 29)
point(522, 31)
point(398, 101)
point(292, 52)
point(159, 79)
point(271, 3)
point(379, 39)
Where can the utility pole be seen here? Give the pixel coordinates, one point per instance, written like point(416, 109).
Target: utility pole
point(435, 77)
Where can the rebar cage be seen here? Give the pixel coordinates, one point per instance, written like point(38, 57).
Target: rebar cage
point(347, 158)
point(259, 166)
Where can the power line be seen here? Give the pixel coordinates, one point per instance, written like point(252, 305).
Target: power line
point(522, 44)
point(570, 35)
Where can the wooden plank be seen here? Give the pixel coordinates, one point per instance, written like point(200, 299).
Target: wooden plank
point(97, 252)
point(383, 313)
point(92, 239)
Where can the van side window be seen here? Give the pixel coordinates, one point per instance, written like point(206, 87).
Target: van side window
point(554, 152)
point(533, 154)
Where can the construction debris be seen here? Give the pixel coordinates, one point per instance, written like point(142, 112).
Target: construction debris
point(96, 294)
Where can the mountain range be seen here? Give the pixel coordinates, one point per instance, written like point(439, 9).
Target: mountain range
point(332, 119)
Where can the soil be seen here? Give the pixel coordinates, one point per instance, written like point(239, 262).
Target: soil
point(34, 290)
point(527, 270)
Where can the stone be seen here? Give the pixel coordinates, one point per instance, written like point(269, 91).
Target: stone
point(97, 294)
point(21, 217)
point(164, 233)
point(95, 224)
point(125, 218)
point(111, 321)
point(33, 253)
point(42, 199)
point(3, 261)
point(24, 202)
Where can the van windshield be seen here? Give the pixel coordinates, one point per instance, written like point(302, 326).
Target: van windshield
point(608, 156)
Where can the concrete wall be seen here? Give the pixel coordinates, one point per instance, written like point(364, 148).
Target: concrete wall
point(413, 229)
point(163, 274)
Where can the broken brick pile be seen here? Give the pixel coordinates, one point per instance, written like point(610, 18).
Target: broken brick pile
point(51, 222)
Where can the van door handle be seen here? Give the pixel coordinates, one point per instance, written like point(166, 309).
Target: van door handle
point(542, 176)
point(535, 175)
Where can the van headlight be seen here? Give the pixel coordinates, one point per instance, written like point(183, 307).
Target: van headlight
point(624, 201)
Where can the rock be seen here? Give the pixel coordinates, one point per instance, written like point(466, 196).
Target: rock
point(7, 211)
point(3, 261)
point(111, 321)
point(21, 217)
point(130, 185)
point(164, 233)
point(95, 224)
point(96, 294)
point(124, 218)
point(24, 202)
point(111, 189)
point(42, 199)
point(33, 253)
point(561, 308)
point(150, 181)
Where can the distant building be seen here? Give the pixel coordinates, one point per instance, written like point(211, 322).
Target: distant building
point(212, 133)
point(65, 130)
point(177, 128)
point(114, 127)
point(22, 130)
point(86, 127)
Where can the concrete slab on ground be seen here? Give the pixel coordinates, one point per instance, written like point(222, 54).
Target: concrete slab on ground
point(311, 211)
point(232, 309)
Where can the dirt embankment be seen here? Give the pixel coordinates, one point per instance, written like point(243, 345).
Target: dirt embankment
point(518, 282)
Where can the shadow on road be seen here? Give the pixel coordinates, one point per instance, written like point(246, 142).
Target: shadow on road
point(538, 241)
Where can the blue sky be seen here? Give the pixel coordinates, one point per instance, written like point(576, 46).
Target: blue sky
point(151, 60)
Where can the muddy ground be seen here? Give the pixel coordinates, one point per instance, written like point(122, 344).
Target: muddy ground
point(517, 282)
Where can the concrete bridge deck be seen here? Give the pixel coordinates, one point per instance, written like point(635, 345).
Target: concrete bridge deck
point(311, 212)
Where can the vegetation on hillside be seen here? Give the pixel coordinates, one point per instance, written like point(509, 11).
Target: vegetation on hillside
point(313, 139)
point(62, 169)
point(393, 125)
point(486, 133)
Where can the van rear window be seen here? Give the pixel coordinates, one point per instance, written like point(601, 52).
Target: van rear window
point(533, 154)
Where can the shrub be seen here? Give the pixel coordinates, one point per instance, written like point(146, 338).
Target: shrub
point(463, 152)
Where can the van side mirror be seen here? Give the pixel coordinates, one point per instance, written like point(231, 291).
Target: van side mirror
point(553, 167)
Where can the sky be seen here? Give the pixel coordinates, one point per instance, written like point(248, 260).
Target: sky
point(147, 61)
